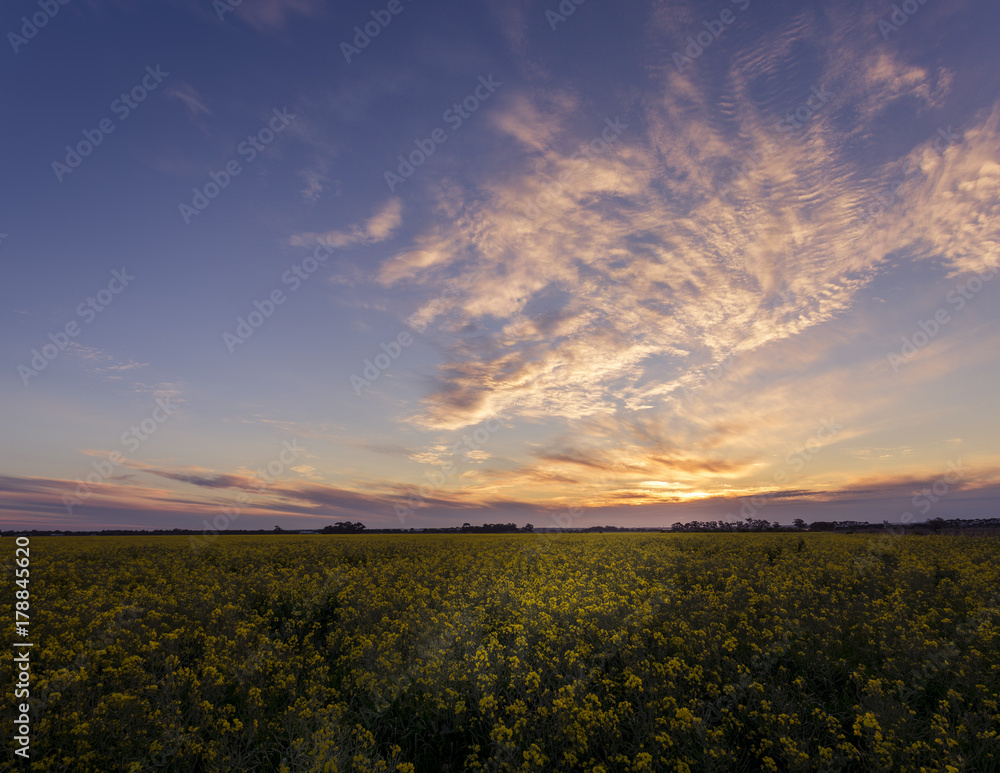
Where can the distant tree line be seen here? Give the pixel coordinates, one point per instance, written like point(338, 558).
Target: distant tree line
point(495, 528)
point(933, 525)
point(750, 524)
point(602, 529)
point(937, 524)
point(343, 527)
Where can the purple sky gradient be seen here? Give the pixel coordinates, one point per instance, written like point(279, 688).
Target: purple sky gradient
point(486, 262)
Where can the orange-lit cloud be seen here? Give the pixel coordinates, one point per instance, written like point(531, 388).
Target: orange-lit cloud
point(609, 288)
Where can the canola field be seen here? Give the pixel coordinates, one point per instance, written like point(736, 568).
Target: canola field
point(624, 652)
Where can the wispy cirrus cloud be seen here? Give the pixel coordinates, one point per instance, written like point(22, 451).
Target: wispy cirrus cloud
point(102, 363)
point(592, 287)
point(379, 227)
point(663, 277)
point(271, 16)
point(189, 96)
point(125, 373)
point(274, 15)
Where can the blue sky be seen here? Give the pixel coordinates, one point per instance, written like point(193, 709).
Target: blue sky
point(417, 263)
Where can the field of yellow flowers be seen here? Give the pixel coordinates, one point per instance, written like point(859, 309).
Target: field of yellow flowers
point(625, 652)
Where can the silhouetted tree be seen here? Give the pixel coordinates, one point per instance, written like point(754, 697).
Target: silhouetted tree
point(343, 527)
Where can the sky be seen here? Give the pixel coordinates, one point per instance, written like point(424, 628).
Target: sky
point(416, 264)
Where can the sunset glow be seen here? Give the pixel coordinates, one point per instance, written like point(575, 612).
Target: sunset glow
point(641, 262)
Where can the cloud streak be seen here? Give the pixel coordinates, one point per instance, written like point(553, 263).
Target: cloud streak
point(598, 286)
point(378, 228)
